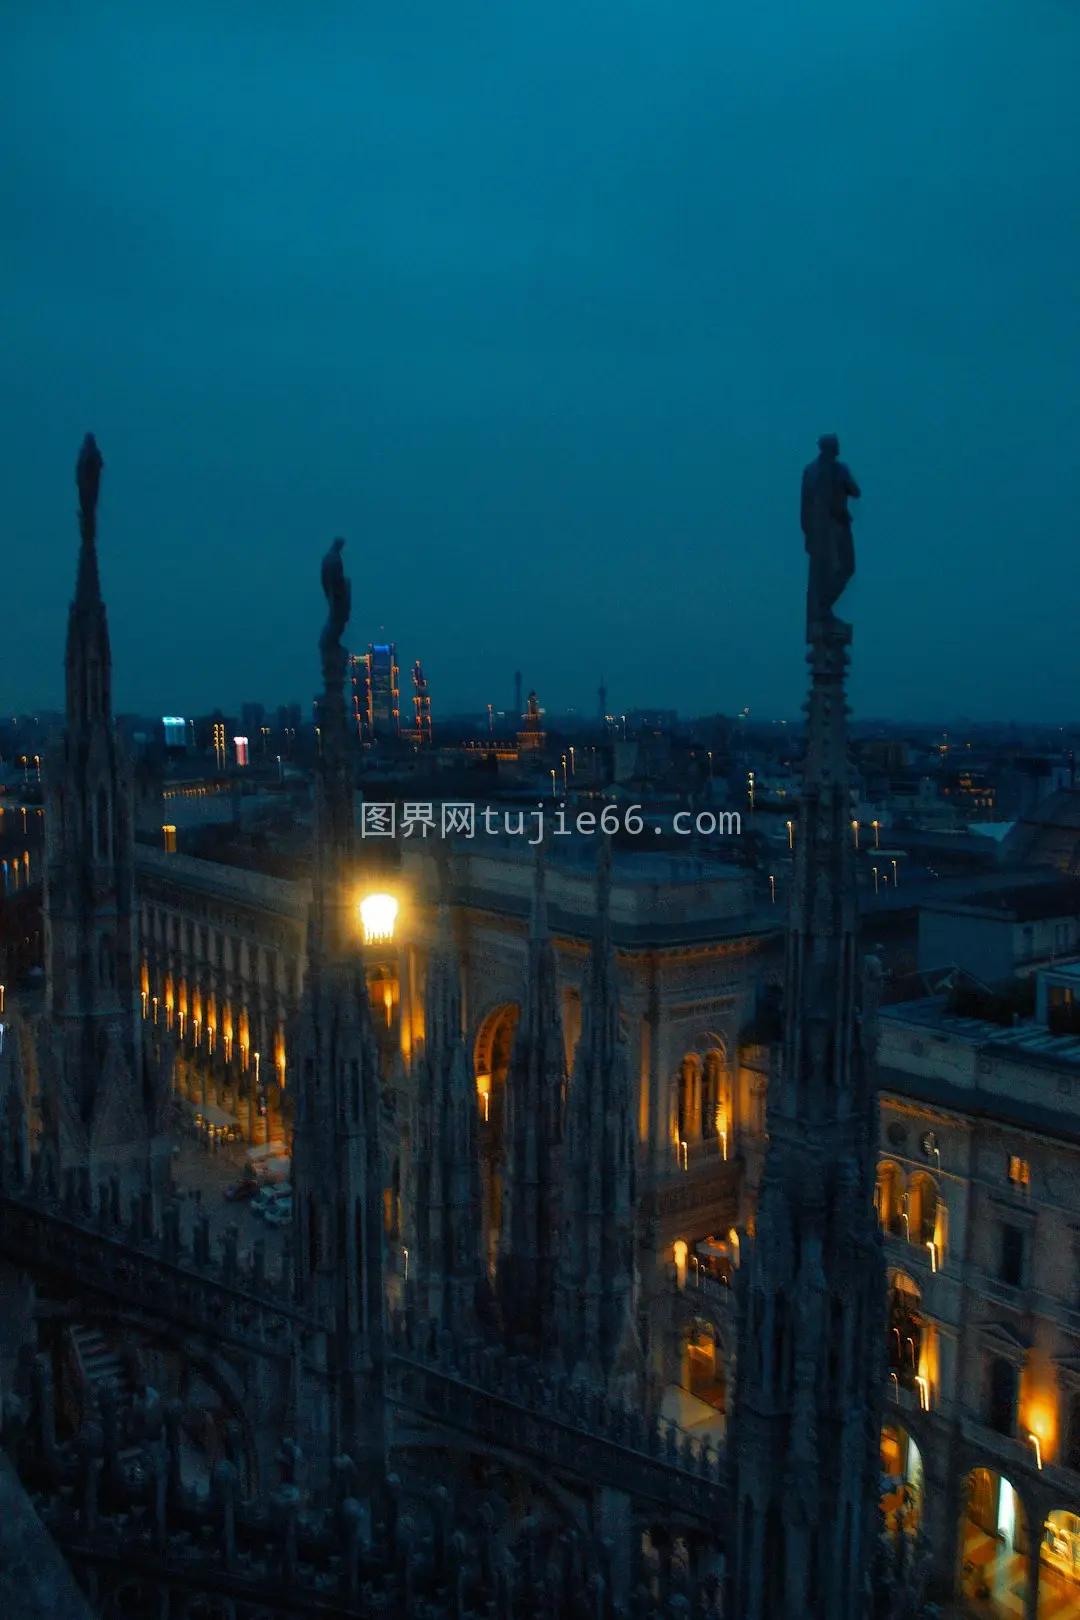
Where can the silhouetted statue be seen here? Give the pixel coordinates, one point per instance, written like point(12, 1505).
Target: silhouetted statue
point(88, 478)
point(338, 593)
point(827, 486)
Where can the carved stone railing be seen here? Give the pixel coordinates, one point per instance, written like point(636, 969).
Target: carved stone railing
point(707, 1180)
point(152, 1273)
point(114, 1500)
point(505, 1403)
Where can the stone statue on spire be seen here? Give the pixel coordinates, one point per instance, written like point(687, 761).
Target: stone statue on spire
point(827, 486)
point(338, 593)
point(88, 470)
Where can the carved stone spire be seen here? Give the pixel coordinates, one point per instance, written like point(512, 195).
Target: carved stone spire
point(596, 1267)
point(339, 1231)
point(535, 1100)
point(445, 1162)
point(806, 1421)
point(105, 1100)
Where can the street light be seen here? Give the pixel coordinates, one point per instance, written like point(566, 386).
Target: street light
point(554, 795)
point(790, 825)
point(855, 833)
point(877, 827)
point(378, 914)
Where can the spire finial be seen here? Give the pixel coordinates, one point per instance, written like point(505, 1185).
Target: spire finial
point(88, 470)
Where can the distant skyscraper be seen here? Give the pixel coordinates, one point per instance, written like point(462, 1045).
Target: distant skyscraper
point(517, 694)
point(385, 695)
point(421, 705)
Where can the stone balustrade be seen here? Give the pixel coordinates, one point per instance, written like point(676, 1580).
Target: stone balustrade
point(114, 1500)
point(506, 1402)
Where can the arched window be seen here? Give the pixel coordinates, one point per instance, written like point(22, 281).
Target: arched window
point(1002, 1393)
point(924, 1208)
point(714, 1103)
point(690, 1078)
point(890, 1198)
point(904, 1330)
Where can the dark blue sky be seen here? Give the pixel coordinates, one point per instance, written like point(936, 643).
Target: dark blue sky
point(543, 307)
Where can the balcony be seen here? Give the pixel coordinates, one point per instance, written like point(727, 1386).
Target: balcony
point(697, 1182)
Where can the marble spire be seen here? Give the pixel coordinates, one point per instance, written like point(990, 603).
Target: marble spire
point(444, 1158)
point(595, 1285)
point(535, 1100)
point(339, 1234)
point(805, 1428)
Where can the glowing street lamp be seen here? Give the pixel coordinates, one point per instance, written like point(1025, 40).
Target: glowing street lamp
point(790, 825)
point(378, 914)
point(855, 833)
point(877, 829)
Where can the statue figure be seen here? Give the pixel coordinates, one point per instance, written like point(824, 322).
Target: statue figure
point(88, 478)
point(338, 593)
point(827, 486)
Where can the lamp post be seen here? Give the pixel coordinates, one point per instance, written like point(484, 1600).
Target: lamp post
point(877, 831)
point(378, 916)
point(554, 795)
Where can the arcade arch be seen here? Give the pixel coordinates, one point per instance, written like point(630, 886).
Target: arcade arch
point(994, 1538)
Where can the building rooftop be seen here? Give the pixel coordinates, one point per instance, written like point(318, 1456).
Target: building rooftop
point(1027, 902)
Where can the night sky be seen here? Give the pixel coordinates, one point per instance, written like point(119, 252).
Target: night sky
point(543, 307)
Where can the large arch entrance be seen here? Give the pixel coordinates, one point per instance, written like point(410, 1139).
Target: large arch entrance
point(994, 1538)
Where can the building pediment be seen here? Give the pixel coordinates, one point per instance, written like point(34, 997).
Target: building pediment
point(1005, 1339)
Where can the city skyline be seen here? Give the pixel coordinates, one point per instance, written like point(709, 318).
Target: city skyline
point(542, 321)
